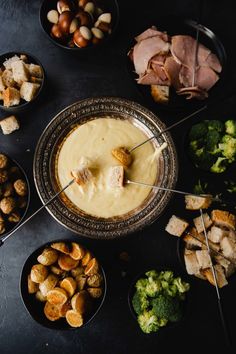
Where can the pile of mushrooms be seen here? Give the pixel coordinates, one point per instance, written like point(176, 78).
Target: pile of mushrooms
point(80, 24)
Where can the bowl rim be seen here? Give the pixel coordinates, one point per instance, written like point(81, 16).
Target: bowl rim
point(23, 277)
point(103, 229)
point(38, 62)
point(78, 49)
point(28, 195)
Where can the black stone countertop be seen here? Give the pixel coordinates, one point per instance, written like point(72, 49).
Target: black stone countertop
point(71, 78)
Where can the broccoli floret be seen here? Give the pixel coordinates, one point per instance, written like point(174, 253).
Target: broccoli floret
point(198, 131)
point(181, 285)
point(139, 302)
point(141, 285)
point(167, 307)
point(204, 159)
point(230, 127)
point(167, 275)
point(216, 125)
point(228, 147)
point(200, 188)
point(153, 287)
point(148, 322)
point(220, 165)
point(213, 138)
point(152, 274)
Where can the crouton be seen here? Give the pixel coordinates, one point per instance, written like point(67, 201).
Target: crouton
point(220, 276)
point(35, 70)
point(195, 203)
point(28, 91)
point(191, 242)
point(8, 62)
point(9, 125)
point(24, 58)
point(20, 72)
point(82, 175)
point(116, 176)
point(224, 219)
point(191, 263)
point(228, 247)
point(176, 226)
point(11, 97)
point(160, 93)
point(203, 259)
point(7, 78)
point(123, 156)
point(216, 234)
point(228, 266)
point(35, 80)
point(199, 225)
point(2, 85)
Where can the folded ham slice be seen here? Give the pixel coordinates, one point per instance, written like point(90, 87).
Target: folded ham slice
point(193, 92)
point(153, 78)
point(152, 32)
point(205, 77)
point(172, 69)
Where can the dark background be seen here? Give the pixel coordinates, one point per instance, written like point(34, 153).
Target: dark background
point(71, 78)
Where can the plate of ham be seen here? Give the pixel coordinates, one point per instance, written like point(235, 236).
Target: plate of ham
point(171, 69)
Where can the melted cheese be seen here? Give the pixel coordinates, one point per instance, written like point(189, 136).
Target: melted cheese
point(91, 144)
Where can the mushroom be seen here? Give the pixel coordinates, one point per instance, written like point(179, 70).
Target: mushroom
point(53, 16)
point(57, 32)
point(105, 17)
point(64, 22)
point(3, 161)
point(82, 37)
point(84, 18)
point(89, 7)
point(20, 187)
point(7, 205)
point(74, 25)
point(3, 176)
point(103, 26)
point(64, 5)
point(97, 35)
point(82, 3)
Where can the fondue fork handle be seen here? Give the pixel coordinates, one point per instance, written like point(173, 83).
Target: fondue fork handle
point(36, 212)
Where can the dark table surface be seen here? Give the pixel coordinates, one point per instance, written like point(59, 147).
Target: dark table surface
point(71, 78)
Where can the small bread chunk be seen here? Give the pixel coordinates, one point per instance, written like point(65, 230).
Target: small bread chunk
point(11, 97)
point(74, 318)
point(7, 78)
point(203, 259)
point(123, 156)
point(35, 70)
point(116, 176)
point(216, 234)
point(160, 93)
point(220, 276)
point(224, 219)
point(176, 226)
point(28, 91)
point(8, 62)
point(195, 203)
point(228, 247)
point(9, 125)
point(191, 242)
point(191, 262)
point(2, 85)
point(19, 71)
point(199, 225)
point(82, 175)
point(228, 266)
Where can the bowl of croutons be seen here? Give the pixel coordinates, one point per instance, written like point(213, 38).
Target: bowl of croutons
point(21, 80)
point(14, 194)
point(63, 285)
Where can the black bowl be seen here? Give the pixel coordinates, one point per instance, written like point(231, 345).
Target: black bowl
point(132, 290)
point(10, 227)
point(35, 307)
point(174, 25)
point(109, 5)
point(23, 104)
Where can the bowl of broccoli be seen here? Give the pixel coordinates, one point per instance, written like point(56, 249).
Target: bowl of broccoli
point(211, 145)
point(156, 299)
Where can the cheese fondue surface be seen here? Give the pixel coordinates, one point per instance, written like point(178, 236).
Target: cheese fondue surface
point(91, 144)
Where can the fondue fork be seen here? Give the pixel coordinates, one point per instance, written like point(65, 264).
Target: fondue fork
point(4, 238)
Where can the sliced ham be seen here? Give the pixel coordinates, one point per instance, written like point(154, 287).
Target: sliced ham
point(193, 92)
point(159, 59)
point(145, 50)
point(152, 32)
point(152, 78)
point(205, 77)
point(213, 62)
point(159, 70)
point(172, 69)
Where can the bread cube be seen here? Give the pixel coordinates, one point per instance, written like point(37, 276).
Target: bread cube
point(28, 91)
point(116, 176)
point(11, 97)
point(195, 203)
point(191, 262)
point(9, 125)
point(82, 175)
point(224, 219)
point(203, 259)
point(216, 234)
point(8, 62)
point(35, 70)
point(228, 247)
point(19, 71)
point(2, 86)
point(7, 78)
point(176, 226)
point(160, 93)
point(199, 225)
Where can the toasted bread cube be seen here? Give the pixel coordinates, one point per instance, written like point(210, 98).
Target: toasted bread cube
point(228, 247)
point(203, 259)
point(176, 226)
point(191, 262)
point(160, 93)
point(35, 70)
point(116, 176)
point(220, 276)
point(36, 80)
point(199, 225)
point(123, 156)
point(190, 240)
point(9, 125)
point(223, 218)
point(28, 91)
point(216, 234)
point(195, 203)
point(7, 78)
point(24, 58)
point(20, 72)
point(228, 266)
point(2, 85)
point(11, 97)
point(8, 62)
point(82, 175)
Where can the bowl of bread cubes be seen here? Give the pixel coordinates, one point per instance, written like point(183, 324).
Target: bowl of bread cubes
point(21, 80)
point(63, 285)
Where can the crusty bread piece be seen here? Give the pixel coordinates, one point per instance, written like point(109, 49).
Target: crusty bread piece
point(28, 91)
point(203, 259)
point(20, 72)
point(176, 226)
point(198, 222)
point(82, 175)
point(160, 93)
point(35, 80)
point(228, 266)
point(7, 78)
point(216, 234)
point(116, 176)
point(224, 219)
point(8, 62)
point(9, 125)
point(191, 263)
point(195, 203)
point(24, 58)
point(191, 242)
point(11, 97)
point(2, 85)
point(228, 247)
point(1, 96)
point(35, 70)
point(220, 276)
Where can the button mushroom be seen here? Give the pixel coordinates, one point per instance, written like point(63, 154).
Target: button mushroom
point(3, 161)
point(57, 33)
point(3, 176)
point(7, 205)
point(84, 18)
point(53, 16)
point(97, 35)
point(82, 37)
point(64, 22)
point(64, 5)
point(20, 187)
